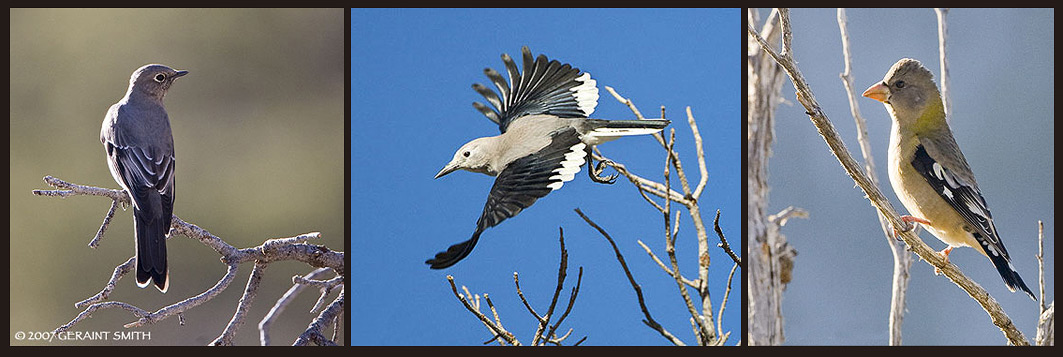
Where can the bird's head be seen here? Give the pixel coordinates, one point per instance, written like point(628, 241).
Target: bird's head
point(473, 156)
point(908, 90)
point(154, 79)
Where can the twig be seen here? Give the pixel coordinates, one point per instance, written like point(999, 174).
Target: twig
point(226, 337)
point(1041, 262)
point(329, 316)
point(723, 303)
point(497, 330)
point(704, 333)
point(664, 267)
point(568, 308)
point(943, 33)
point(282, 304)
point(545, 332)
point(902, 259)
point(561, 275)
point(649, 321)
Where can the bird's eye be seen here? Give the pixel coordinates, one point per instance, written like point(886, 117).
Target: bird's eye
point(899, 84)
point(465, 154)
point(160, 77)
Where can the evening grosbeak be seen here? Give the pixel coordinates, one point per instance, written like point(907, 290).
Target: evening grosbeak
point(929, 173)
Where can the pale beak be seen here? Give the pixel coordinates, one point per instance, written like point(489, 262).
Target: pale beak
point(879, 92)
point(451, 167)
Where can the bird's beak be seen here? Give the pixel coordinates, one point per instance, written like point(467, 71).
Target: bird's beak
point(451, 167)
point(879, 92)
point(180, 73)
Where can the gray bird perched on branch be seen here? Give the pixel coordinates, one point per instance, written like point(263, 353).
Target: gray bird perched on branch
point(546, 137)
point(139, 145)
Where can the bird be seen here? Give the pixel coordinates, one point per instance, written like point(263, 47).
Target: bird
point(546, 136)
point(929, 173)
point(139, 145)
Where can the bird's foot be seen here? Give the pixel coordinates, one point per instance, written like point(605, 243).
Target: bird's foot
point(944, 254)
point(908, 225)
point(595, 171)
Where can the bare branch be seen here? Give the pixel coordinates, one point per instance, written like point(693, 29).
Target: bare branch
point(704, 332)
point(544, 333)
point(284, 301)
point(649, 321)
point(329, 316)
point(226, 337)
point(291, 248)
point(568, 308)
point(723, 303)
point(943, 33)
point(496, 329)
point(902, 259)
point(701, 154)
point(664, 267)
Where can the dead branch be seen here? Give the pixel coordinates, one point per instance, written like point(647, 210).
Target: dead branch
point(272, 250)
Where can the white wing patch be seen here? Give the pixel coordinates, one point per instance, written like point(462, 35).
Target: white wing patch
point(569, 166)
point(940, 172)
point(948, 193)
point(992, 249)
point(586, 94)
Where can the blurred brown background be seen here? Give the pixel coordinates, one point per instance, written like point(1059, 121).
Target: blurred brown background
point(258, 130)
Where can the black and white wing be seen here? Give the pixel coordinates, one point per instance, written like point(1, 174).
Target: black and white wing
point(545, 87)
point(963, 195)
point(519, 185)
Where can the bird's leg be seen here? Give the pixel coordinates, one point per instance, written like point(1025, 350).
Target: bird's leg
point(908, 219)
point(594, 170)
point(944, 254)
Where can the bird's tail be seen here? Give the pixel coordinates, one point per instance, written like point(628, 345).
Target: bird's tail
point(617, 128)
point(1009, 274)
point(455, 253)
point(151, 234)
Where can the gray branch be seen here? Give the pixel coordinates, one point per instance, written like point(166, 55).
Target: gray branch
point(279, 249)
point(902, 259)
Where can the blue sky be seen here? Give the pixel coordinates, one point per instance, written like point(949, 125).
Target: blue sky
point(1001, 64)
point(412, 71)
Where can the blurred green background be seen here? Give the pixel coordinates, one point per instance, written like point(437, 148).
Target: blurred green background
point(258, 127)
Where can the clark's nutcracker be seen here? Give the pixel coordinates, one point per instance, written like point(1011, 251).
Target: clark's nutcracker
point(546, 137)
point(139, 145)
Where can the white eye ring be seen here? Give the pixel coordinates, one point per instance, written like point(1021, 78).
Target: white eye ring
point(160, 77)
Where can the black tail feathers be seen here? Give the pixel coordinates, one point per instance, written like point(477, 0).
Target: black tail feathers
point(151, 249)
point(454, 254)
point(1009, 274)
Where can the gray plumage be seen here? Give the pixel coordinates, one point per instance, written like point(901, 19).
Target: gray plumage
point(546, 136)
point(140, 154)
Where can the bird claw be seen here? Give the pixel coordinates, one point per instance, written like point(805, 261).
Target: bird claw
point(944, 254)
point(595, 173)
point(908, 225)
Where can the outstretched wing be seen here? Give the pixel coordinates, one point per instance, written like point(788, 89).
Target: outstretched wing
point(545, 87)
point(519, 185)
